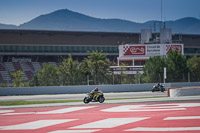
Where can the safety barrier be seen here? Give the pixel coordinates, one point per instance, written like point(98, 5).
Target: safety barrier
point(85, 88)
point(184, 91)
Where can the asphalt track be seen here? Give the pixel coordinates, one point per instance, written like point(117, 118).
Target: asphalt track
point(151, 117)
point(80, 96)
point(165, 115)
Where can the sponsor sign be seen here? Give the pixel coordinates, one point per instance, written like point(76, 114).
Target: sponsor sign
point(154, 49)
point(134, 50)
point(15, 59)
point(174, 48)
point(149, 50)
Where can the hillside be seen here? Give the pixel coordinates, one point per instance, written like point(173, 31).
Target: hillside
point(72, 21)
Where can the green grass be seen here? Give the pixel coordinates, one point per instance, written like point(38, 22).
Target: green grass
point(22, 102)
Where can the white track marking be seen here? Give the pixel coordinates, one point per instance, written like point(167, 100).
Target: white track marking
point(75, 131)
point(182, 118)
point(110, 123)
point(6, 111)
point(36, 124)
point(58, 111)
point(134, 108)
point(164, 129)
point(181, 104)
point(153, 107)
point(66, 110)
point(25, 113)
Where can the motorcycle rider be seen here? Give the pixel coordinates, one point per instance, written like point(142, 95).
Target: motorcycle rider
point(158, 85)
point(93, 92)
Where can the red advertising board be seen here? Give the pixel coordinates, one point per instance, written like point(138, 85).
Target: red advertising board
point(173, 48)
point(134, 50)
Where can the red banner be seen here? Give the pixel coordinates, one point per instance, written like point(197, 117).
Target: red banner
point(135, 50)
point(173, 48)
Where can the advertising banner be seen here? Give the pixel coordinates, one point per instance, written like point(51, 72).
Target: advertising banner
point(174, 47)
point(134, 50)
point(154, 49)
point(149, 49)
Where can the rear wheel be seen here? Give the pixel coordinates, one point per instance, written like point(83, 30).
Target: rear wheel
point(85, 100)
point(163, 89)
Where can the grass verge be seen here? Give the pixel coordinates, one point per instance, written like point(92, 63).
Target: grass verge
point(22, 102)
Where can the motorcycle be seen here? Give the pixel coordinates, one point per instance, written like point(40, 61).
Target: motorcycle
point(158, 88)
point(97, 97)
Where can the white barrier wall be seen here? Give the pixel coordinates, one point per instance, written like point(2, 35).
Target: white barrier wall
point(85, 88)
point(73, 89)
point(184, 92)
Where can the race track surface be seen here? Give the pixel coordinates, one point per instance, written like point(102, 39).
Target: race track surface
point(81, 96)
point(167, 117)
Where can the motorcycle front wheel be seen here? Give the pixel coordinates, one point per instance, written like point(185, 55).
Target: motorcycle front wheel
point(101, 99)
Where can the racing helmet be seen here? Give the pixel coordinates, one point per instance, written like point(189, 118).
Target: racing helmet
point(96, 89)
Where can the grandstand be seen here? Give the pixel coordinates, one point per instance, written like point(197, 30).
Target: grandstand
point(27, 50)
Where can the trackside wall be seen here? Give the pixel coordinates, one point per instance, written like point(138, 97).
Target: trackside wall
point(85, 88)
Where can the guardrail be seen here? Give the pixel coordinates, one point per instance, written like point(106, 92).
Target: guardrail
point(85, 88)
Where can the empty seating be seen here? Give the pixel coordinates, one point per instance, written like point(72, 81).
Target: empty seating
point(30, 65)
point(1, 78)
point(17, 66)
point(26, 67)
point(53, 63)
point(9, 66)
point(2, 68)
point(29, 69)
point(29, 75)
point(36, 66)
point(5, 75)
point(25, 78)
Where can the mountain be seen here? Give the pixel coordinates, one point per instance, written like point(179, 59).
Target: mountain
point(6, 26)
point(72, 21)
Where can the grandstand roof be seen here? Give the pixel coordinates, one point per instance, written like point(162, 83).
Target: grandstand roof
point(45, 37)
point(65, 37)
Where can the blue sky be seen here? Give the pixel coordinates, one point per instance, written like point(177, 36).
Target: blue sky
point(21, 11)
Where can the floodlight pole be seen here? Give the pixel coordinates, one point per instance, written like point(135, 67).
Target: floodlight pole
point(165, 74)
point(88, 82)
point(188, 76)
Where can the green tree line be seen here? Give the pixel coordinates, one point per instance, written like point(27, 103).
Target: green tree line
point(179, 69)
point(95, 70)
point(92, 70)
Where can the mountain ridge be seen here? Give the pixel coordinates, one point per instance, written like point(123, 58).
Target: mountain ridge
point(67, 20)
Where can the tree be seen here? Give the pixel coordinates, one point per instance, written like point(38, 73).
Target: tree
point(176, 66)
point(193, 65)
point(48, 76)
point(86, 69)
point(153, 69)
point(69, 70)
point(124, 77)
point(98, 66)
point(137, 78)
point(18, 78)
